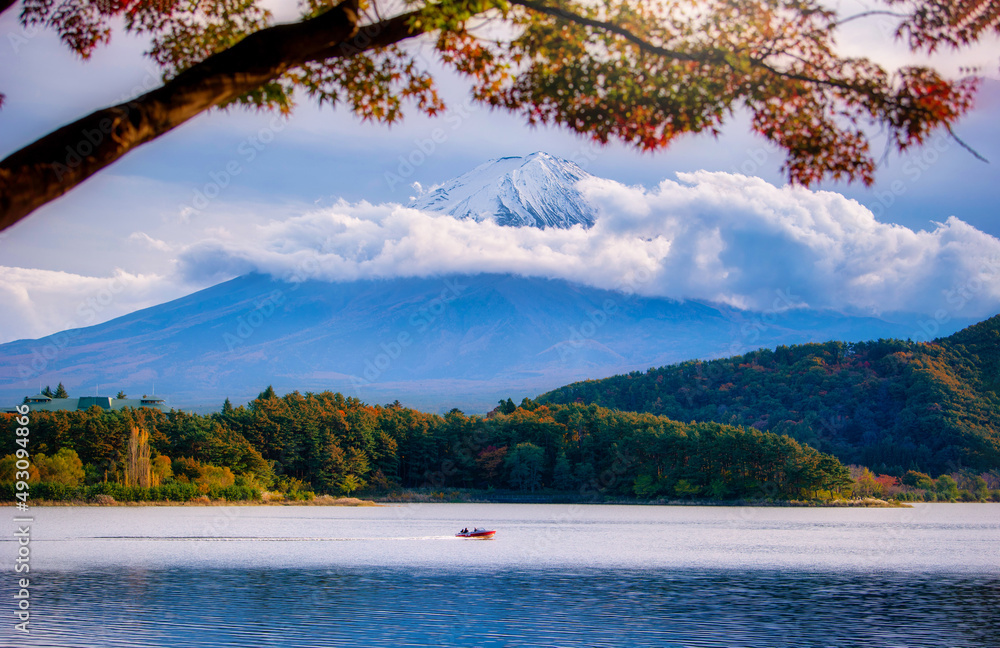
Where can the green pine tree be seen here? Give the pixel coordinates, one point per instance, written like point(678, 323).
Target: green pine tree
point(562, 474)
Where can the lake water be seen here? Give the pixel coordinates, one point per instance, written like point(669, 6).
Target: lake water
point(554, 575)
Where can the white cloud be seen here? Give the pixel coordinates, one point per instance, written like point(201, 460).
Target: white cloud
point(706, 236)
point(709, 236)
point(352, 241)
point(738, 239)
point(41, 302)
point(146, 239)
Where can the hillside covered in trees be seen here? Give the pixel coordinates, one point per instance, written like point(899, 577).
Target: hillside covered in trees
point(331, 444)
point(891, 405)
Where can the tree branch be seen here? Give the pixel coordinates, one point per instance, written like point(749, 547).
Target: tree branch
point(868, 14)
point(968, 148)
point(51, 166)
point(717, 55)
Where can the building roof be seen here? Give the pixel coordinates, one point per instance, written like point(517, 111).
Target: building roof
point(42, 403)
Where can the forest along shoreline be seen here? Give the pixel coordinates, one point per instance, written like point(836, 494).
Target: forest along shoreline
point(473, 497)
point(832, 424)
point(318, 448)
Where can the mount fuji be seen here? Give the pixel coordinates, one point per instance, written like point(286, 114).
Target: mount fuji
point(431, 342)
point(538, 190)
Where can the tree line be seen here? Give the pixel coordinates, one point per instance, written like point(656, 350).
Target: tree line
point(328, 443)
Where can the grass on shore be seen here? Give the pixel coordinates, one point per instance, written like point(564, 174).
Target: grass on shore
point(321, 500)
point(474, 496)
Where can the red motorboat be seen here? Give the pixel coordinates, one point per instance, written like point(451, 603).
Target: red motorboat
point(480, 534)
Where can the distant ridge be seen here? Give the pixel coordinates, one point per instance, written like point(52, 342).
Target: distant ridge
point(889, 404)
point(537, 190)
point(433, 343)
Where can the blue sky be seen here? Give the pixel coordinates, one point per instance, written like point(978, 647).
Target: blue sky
point(128, 231)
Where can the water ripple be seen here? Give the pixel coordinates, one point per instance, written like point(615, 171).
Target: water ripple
point(436, 607)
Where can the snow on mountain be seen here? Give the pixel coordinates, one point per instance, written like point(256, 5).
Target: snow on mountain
point(432, 342)
point(538, 190)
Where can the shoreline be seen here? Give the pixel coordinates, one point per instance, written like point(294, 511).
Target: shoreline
point(324, 500)
point(493, 497)
point(484, 497)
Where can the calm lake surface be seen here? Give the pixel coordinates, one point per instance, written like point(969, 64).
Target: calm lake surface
point(555, 575)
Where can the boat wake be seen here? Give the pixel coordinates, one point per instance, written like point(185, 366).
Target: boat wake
point(265, 538)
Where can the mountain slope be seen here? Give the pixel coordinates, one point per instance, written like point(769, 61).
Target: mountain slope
point(435, 343)
point(889, 404)
point(980, 346)
point(538, 190)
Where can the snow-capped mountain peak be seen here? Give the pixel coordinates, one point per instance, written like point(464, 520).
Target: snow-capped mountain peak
point(537, 190)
